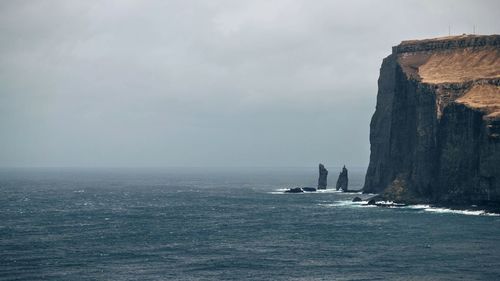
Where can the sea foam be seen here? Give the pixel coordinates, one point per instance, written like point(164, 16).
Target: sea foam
point(418, 207)
point(461, 212)
point(320, 191)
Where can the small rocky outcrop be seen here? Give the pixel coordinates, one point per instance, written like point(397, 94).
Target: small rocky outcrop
point(323, 174)
point(356, 199)
point(294, 190)
point(343, 180)
point(300, 189)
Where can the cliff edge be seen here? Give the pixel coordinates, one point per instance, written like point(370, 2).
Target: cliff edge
point(435, 133)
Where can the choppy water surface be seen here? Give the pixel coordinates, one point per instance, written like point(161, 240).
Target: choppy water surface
point(70, 224)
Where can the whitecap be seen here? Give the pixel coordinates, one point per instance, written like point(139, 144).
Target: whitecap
point(282, 191)
point(277, 192)
point(418, 206)
point(346, 203)
point(328, 191)
point(385, 202)
point(461, 212)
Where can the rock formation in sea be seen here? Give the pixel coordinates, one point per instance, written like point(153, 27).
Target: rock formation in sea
point(343, 180)
point(294, 190)
point(323, 175)
point(300, 189)
point(435, 133)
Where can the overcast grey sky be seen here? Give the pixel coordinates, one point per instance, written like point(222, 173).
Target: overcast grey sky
point(203, 83)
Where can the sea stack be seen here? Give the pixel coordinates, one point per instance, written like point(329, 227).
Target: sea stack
point(435, 134)
point(323, 175)
point(343, 180)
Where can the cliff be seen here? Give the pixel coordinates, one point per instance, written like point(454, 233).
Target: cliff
point(435, 133)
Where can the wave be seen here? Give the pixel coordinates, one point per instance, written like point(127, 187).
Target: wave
point(328, 191)
point(461, 212)
point(347, 203)
point(282, 191)
point(417, 207)
point(441, 210)
point(279, 191)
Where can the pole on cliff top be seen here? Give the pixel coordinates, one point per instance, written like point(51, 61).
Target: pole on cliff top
point(449, 30)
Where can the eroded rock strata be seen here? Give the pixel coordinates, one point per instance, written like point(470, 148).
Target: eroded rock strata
point(435, 133)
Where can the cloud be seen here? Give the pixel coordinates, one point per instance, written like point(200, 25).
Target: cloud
point(194, 83)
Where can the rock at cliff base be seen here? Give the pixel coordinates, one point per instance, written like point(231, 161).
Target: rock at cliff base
point(343, 180)
point(294, 190)
point(323, 174)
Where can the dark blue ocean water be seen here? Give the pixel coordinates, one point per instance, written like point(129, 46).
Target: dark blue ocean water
point(225, 224)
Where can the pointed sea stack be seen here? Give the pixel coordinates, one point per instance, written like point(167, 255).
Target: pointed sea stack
point(323, 174)
point(343, 180)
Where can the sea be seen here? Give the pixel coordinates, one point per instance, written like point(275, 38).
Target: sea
point(227, 224)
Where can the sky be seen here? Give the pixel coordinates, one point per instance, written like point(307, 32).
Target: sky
point(215, 83)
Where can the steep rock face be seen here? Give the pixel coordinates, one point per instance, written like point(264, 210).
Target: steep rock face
point(323, 175)
point(435, 132)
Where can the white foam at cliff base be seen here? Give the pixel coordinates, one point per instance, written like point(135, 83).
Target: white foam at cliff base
point(328, 191)
point(422, 207)
point(418, 206)
point(385, 202)
point(347, 203)
point(282, 191)
point(461, 212)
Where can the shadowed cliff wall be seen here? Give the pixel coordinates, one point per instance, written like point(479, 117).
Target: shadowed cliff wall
point(434, 134)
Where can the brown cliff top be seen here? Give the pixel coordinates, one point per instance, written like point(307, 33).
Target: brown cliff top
point(471, 62)
point(453, 59)
point(485, 97)
point(447, 43)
